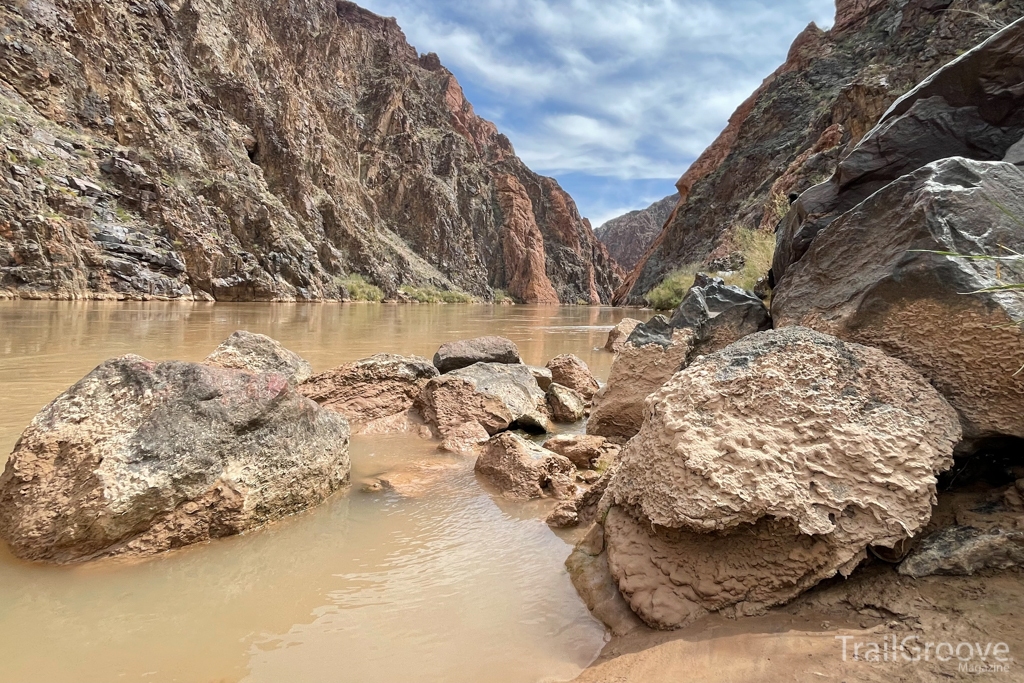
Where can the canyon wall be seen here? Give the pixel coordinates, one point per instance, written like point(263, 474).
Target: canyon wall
point(261, 150)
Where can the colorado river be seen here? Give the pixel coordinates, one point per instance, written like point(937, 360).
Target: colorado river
point(445, 583)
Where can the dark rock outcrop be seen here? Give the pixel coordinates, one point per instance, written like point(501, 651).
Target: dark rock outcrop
point(628, 236)
point(141, 457)
point(465, 352)
point(870, 277)
point(964, 550)
point(793, 131)
point(152, 154)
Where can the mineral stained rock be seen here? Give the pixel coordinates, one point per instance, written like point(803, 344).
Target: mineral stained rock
point(141, 457)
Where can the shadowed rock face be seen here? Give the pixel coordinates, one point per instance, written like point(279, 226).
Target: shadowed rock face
point(261, 150)
point(628, 236)
point(140, 457)
point(792, 132)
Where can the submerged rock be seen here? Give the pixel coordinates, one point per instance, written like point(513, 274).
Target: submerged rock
point(376, 394)
point(259, 353)
point(570, 371)
point(567, 406)
point(766, 467)
point(460, 354)
point(140, 457)
point(521, 469)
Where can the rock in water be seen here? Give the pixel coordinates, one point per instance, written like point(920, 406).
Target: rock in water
point(522, 469)
point(516, 387)
point(619, 334)
point(461, 415)
point(570, 371)
point(637, 372)
point(376, 393)
point(461, 354)
point(584, 450)
point(766, 467)
point(566, 405)
point(140, 457)
point(259, 354)
point(869, 278)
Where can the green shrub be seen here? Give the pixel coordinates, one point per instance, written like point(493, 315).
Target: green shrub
point(359, 289)
point(432, 295)
point(501, 297)
point(758, 249)
point(673, 288)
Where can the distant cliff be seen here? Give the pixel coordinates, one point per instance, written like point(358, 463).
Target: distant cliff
point(791, 132)
point(261, 150)
point(628, 236)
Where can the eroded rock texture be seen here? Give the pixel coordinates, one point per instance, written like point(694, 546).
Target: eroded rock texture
point(767, 467)
point(792, 132)
point(140, 457)
point(375, 394)
point(261, 150)
point(259, 354)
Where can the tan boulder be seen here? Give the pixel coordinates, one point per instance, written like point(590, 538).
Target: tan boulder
point(769, 466)
point(521, 469)
point(259, 354)
point(459, 414)
point(375, 394)
point(637, 372)
point(619, 334)
point(570, 371)
point(584, 450)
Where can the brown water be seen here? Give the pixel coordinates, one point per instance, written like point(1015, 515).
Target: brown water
point(446, 584)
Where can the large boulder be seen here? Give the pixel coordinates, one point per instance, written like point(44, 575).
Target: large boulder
point(769, 466)
point(375, 394)
point(140, 457)
point(459, 414)
point(973, 107)
point(466, 352)
point(521, 469)
point(719, 314)
point(874, 277)
point(516, 387)
point(637, 372)
point(619, 334)
point(259, 353)
point(570, 371)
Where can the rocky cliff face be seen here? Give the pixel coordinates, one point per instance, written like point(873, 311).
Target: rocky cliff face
point(628, 236)
point(260, 150)
point(791, 133)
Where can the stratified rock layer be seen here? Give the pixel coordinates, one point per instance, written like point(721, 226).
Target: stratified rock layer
point(140, 457)
point(376, 394)
point(767, 467)
point(261, 150)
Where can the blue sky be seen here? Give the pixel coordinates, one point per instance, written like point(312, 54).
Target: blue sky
point(613, 98)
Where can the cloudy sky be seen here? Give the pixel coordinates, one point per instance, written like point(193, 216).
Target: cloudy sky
point(615, 98)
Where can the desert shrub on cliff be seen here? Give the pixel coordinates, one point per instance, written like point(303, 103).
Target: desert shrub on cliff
point(673, 288)
point(757, 247)
point(359, 289)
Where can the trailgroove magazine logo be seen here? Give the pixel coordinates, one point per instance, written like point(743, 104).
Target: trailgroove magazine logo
point(969, 657)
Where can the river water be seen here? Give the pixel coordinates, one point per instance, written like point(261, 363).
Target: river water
point(439, 581)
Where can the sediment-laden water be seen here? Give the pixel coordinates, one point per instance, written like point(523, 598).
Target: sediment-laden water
point(444, 583)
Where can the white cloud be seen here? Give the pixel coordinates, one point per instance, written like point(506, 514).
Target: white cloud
point(624, 89)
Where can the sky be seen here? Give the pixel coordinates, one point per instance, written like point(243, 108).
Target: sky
point(614, 98)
